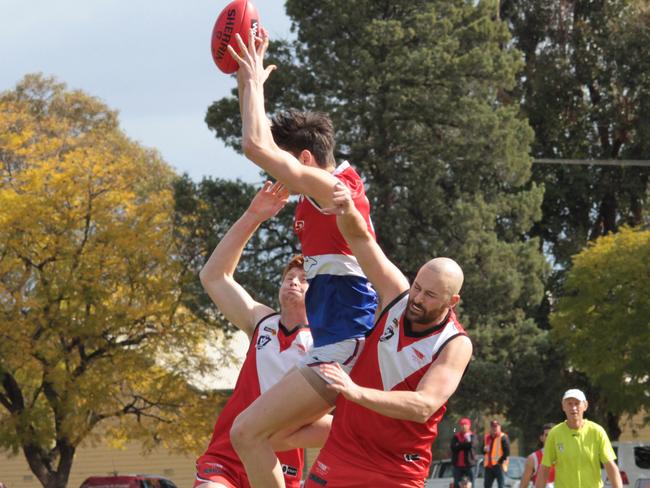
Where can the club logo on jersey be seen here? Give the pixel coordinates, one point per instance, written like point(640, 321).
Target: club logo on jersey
point(309, 263)
point(212, 468)
point(321, 467)
point(418, 354)
point(298, 226)
point(269, 330)
point(411, 458)
point(289, 470)
point(262, 341)
point(560, 447)
point(388, 333)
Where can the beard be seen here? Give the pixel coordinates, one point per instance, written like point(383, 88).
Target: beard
point(421, 315)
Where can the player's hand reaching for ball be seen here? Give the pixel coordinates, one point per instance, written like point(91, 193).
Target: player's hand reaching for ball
point(251, 58)
point(340, 381)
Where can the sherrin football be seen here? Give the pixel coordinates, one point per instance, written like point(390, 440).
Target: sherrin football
point(239, 17)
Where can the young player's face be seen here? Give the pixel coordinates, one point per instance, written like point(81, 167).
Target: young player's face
point(428, 298)
point(293, 288)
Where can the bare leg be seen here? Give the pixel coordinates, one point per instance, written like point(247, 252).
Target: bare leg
point(312, 435)
point(288, 405)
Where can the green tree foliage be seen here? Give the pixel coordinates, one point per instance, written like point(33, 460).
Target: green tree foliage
point(204, 213)
point(585, 89)
point(418, 91)
point(94, 337)
point(586, 92)
point(604, 319)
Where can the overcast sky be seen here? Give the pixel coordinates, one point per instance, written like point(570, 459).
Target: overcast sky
point(148, 59)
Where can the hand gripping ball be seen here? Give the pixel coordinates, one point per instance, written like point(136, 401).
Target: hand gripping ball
point(239, 17)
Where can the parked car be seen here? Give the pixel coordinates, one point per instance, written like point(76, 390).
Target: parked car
point(633, 459)
point(441, 473)
point(128, 481)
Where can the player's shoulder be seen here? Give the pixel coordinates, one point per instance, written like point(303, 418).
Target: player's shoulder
point(346, 173)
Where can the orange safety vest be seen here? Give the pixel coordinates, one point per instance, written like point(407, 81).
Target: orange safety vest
point(496, 451)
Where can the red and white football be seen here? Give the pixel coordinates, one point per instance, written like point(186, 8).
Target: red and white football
point(239, 17)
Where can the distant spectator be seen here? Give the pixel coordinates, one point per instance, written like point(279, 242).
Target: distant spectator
point(497, 451)
point(463, 452)
point(577, 447)
point(534, 461)
point(465, 482)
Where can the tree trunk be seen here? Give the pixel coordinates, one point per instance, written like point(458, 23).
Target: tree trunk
point(41, 463)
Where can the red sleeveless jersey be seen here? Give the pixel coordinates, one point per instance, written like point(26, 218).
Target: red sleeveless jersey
point(340, 301)
point(273, 351)
point(391, 360)
point(537, 461)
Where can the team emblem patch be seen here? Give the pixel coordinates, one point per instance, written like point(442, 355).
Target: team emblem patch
point(411, 458)
point(262, 341)
point(388, 333)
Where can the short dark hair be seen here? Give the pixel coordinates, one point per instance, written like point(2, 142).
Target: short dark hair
point(298, 261)
point(295, 131)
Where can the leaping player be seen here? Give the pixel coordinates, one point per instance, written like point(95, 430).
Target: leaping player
point(298, 150)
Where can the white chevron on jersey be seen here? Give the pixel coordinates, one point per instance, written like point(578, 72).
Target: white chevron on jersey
point(272, 362)
point(332, 264)
point(397, 365)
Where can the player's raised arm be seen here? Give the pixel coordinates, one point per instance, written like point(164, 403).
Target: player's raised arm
point(217, 276)
point(301, 176)
point(382, 273)
point(432, 392)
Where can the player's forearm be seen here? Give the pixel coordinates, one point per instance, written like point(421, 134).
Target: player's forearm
point(353, 226)
point(226, 255)
point(403, 405)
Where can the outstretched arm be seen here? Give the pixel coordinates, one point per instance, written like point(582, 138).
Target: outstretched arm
point(217, 276)
point(434, 389)
point(257, 140)
point(382, 273)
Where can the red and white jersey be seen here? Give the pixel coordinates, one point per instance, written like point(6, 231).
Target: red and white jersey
point(273, 351)
point(340, 301)
point(537, 461)
point(393, 358)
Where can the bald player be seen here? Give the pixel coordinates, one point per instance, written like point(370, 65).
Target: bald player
point(390, 405)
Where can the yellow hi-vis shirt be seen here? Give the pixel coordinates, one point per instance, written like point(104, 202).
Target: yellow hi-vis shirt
point(577, 454)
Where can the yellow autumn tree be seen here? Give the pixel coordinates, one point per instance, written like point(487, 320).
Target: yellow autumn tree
point(603, 319)
point(94, 337)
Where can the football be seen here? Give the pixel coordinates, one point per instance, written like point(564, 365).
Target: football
point(239, 17)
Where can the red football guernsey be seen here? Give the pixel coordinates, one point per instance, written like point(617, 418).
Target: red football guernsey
point(340, 301)
point(273, 351)
point(392, 359)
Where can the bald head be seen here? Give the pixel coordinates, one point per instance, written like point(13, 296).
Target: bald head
point(448, 273)
point(434, 291)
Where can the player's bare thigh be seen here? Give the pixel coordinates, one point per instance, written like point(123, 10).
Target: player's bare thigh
point(289, 404)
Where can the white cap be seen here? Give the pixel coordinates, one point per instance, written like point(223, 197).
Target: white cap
point(574, 393)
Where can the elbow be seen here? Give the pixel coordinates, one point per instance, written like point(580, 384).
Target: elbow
point(424, 413)
point(252, 148)
point(203, 277)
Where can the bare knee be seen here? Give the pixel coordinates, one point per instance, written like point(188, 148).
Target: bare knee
point(243, 433)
